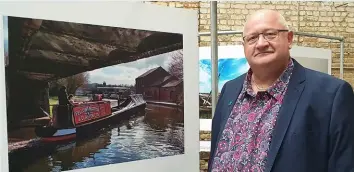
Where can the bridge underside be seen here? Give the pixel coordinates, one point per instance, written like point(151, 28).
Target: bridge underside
point(44, 50)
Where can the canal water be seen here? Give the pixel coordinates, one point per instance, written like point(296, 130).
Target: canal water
point(156, 133)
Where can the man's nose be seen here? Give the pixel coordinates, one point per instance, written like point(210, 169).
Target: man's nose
point(261, 42)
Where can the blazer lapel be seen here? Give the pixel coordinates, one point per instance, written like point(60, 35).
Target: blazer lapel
point(233, 90)
point(295, 88)
point(233, 95)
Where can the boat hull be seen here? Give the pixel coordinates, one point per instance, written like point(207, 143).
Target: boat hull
point(60, 135)
point(51, 134)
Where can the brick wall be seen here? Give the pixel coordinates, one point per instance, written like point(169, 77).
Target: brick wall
point(325, 18)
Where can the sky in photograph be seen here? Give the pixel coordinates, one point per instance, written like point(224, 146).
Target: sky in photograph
point(127, 72)
point(228, 69)
point(6, 35)
point(231, 64)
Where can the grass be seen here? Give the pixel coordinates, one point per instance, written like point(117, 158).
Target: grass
point(52, 101)
point(205, 115)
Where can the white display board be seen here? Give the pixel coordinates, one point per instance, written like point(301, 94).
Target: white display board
point(139, 16)
point(319, 59)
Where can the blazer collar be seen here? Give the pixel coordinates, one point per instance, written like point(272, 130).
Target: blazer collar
point(298, 76)
point(291, 99)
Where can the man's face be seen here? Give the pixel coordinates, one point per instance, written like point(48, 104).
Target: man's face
point(266, 40)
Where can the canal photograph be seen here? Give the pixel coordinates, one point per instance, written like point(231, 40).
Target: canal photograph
point(82, 95)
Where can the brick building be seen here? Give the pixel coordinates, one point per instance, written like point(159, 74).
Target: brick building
point(148, 78)
point(158, 85)
point(325, 18)
point(172, 90)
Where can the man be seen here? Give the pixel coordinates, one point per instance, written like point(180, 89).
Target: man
point(64, 108)
point(280, 116)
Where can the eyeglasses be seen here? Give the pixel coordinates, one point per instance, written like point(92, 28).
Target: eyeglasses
point(267, 35)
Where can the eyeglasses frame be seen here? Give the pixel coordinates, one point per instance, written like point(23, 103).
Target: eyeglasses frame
point(262, 33)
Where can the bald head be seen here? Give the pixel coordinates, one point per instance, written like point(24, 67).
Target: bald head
point(267, 41)
point(268, 15)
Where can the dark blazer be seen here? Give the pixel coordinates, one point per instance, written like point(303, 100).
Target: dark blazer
point(315, 126)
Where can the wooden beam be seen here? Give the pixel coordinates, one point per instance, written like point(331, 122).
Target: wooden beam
point(69, 45)
point(57, 57)
point(46, 66)
point(115, 36)
point(37, 76)
point(159, 40)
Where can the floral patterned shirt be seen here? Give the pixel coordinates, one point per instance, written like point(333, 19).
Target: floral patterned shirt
point(245, 140)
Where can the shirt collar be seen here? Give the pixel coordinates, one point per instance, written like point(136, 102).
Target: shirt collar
point(276, 89)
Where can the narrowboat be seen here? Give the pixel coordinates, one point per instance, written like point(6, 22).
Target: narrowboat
point(69, 122)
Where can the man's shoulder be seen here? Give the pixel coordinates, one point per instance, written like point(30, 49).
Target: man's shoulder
point(322, 79)
point(323, 83)
point(315, 79)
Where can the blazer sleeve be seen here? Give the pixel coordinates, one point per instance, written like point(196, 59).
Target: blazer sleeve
point(341, 131)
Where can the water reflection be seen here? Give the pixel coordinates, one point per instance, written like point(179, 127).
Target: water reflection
point(159, 132)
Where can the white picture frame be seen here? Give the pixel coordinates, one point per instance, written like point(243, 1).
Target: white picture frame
point(319, 59)
point(128, 15)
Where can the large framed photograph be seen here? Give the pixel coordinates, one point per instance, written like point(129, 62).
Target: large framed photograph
point(98, 86)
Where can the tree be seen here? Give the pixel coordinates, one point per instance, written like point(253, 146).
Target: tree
point(72, 83)
point(176, 65)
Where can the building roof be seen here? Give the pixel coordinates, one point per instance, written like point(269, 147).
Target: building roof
point(113, 88)
point(161, 81)
point(149, 71)
point(172, 83)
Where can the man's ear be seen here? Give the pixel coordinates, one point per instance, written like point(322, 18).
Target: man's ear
point(290, 38)
point(242, 43)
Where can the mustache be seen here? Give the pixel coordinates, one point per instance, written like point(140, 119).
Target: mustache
point(268, 51)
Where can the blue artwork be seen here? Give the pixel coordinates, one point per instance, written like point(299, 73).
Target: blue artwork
point(228, 69)
point(6, 35)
